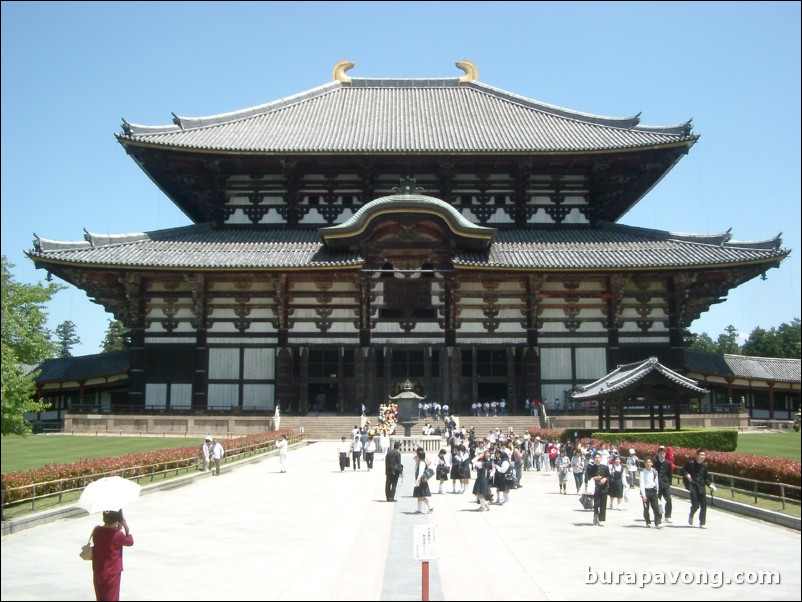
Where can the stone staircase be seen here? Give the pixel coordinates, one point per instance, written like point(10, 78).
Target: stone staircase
point(332, 427)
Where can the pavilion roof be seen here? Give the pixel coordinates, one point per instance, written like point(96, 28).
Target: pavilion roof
point(630, 377)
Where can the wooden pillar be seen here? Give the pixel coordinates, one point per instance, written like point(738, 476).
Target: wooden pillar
point(771, 401)
point(200, 378)
point(676, 416)
point(601, 404)
point(651, 417)
point(662, 418)
point(284, 363)
point(450, 284)
point(136, 375)
point(621, 425)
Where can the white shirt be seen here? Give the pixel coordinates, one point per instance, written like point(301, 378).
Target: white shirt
point(281, 444)
point(648, 480)
point(217, 451)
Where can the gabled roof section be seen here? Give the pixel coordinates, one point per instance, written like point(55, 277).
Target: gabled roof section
point(397, 116)
point(408, 207)
point(625, 379)
point(768, 369)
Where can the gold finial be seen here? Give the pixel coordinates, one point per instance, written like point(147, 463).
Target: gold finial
point(471, 72)
point(340, 69)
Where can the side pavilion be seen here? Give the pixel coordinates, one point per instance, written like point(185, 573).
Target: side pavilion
point(647, 384)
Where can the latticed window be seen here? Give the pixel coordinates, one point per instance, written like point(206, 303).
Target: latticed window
point(404, 297)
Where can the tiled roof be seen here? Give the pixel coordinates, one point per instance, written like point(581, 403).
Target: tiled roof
point(764, 368)
point(625, 377)
point(612, 245)
point(83, 367)
point(406, 116)
point(743, 366)
point(200, 246)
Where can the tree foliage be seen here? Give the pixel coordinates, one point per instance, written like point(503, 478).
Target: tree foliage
point(67, 338)
point(116, 337)
point(26, 342)
point(783, 341)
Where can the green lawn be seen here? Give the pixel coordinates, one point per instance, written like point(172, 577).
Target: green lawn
point(784, 444)
point(25, 453)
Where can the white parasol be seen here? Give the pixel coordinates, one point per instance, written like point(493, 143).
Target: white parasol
point(108, 493)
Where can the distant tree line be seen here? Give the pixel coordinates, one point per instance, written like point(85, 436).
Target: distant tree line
point(782, 341)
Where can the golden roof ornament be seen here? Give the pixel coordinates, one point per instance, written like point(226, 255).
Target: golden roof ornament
point(471, 72)
point(340, 69)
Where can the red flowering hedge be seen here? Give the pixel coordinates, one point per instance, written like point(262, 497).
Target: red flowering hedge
point(19, 486)
point(770, 469)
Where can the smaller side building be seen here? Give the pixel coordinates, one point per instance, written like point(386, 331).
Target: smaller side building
point(768, 388)
point(95, 384)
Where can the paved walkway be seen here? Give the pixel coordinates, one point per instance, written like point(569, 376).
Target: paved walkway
point(317, 534)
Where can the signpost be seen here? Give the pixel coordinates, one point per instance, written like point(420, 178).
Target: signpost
point(425, 549)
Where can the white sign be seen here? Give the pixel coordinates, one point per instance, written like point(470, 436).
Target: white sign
point(425, 542)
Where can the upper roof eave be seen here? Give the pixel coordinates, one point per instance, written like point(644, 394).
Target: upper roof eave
point(533, 135)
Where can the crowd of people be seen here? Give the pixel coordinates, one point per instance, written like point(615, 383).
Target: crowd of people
point(496, 463)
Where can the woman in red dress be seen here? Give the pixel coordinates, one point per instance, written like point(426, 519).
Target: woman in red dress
point(107, 554)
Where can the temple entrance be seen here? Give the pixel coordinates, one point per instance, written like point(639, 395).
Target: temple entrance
point(492, 392)
point(323, 397)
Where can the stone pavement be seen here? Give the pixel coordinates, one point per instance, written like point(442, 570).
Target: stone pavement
point(317, 534)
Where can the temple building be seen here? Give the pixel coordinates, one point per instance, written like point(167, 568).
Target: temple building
point(370, 231)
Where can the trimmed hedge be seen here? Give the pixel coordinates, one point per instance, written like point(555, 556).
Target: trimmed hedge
point(708, 439)
point(59, 477)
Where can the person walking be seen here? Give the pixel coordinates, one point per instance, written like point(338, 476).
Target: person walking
point(356, 452)
point(343, 450)
point(217, 452)
point(697, 479)
point(107, 554)
point(665, 471)
point(205, 454)
point(649, 489)
point(481, 487)
point(282, 445)
point(392, 470)
point(423, 472)
point(370, 450)
point(599, 473)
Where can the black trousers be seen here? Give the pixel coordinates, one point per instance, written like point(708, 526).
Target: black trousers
point(343, 458)
point(390, 483)
point(698, 502)
point(355, 459)
point(653, 501)
point(369, 459)
point(665, 494)
point(600, 505)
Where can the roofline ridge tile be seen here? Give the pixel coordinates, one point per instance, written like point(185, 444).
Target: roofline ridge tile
point(182, 123)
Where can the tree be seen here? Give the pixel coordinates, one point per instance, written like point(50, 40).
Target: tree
point(702, 342)
point(67, 339)
point(116, 337)
point(782, 341)
point(728, 341)
point(26, 342)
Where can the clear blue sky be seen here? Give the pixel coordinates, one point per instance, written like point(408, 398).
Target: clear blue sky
point(71, 71)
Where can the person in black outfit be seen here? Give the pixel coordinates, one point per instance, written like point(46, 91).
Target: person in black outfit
point(392, 470)
point(696, 479)
point(600, 474)
point(664, 472)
